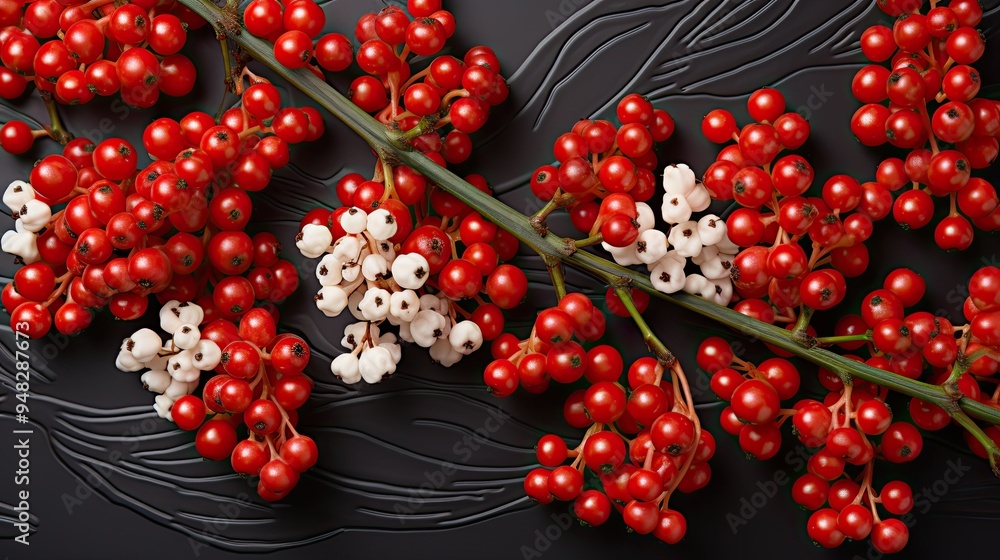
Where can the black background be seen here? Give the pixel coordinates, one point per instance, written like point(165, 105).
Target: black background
point(109, 480)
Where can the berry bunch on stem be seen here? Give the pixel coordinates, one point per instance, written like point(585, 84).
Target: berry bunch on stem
point(604, 175)
point(643, 441)
point(419, 103)
point(399, 250)
point(72, 51)
point(416, 281)
point(258, 387)
point(776, 218)
point(95, 231)
point(853, 426)
point(850, 428)
point(962, 359)
point(927, 102)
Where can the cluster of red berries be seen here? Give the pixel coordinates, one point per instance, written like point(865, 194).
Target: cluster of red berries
point(640, 445)
point(604, 170)
point(173, 229)
point(754, 394)
point(447, 90)
point(75, 50)
point(966, 356)
point(838, 428)
point(458, 273)
point(550, 353)
point(843, 426)
point(426, 220)
point(934, 112)
point(776, 216)
point(901, 342)
point(259, 387)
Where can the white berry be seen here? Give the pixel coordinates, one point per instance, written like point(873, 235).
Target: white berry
point(381, 224)
point(328, 270)
point(667, 275)
point(375, 305)
point(711, 229)
point(22, 244)
point(684, 237)
point(354, 221)
point(331, 300)
point(675, 209)
point(443, 353)
point(145, 344)
point(404, 305)
point(345, 366)
point(206, 355)
point(313, 240)
point(156, 380)
point(466, 337)
point(186, 336)
point(375, 364)
point(651, 246)
point(427, 327)
point(127, 362)
point(410, 271)
point(34, 215)
point(699, 198)
point(16, 194)
point(374, 267)
point(347, 249)
point(162, 405)
point(678, 179)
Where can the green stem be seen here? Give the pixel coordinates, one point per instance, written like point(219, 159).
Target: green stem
point(385, 143)
point(590, 241)
point(992, 451)
point(387, 180)
point(655, 345)
point(228, 80)
point(55, 126)
point(830, 340)
point(559, 200)
point(962, 364)
point(425, 125)
point(802, 325)
point(556, 274)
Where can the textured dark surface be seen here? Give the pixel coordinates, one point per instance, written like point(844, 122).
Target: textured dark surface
point(402, 469)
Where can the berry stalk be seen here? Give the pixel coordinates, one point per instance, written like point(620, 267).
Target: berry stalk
point(55, 128)
point(386, 142)
point(655, 345)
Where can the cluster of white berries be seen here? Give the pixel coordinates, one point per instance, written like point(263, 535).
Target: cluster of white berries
point(704, 241)
point(174, 365)
point(362, 272)
point(30, 216)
